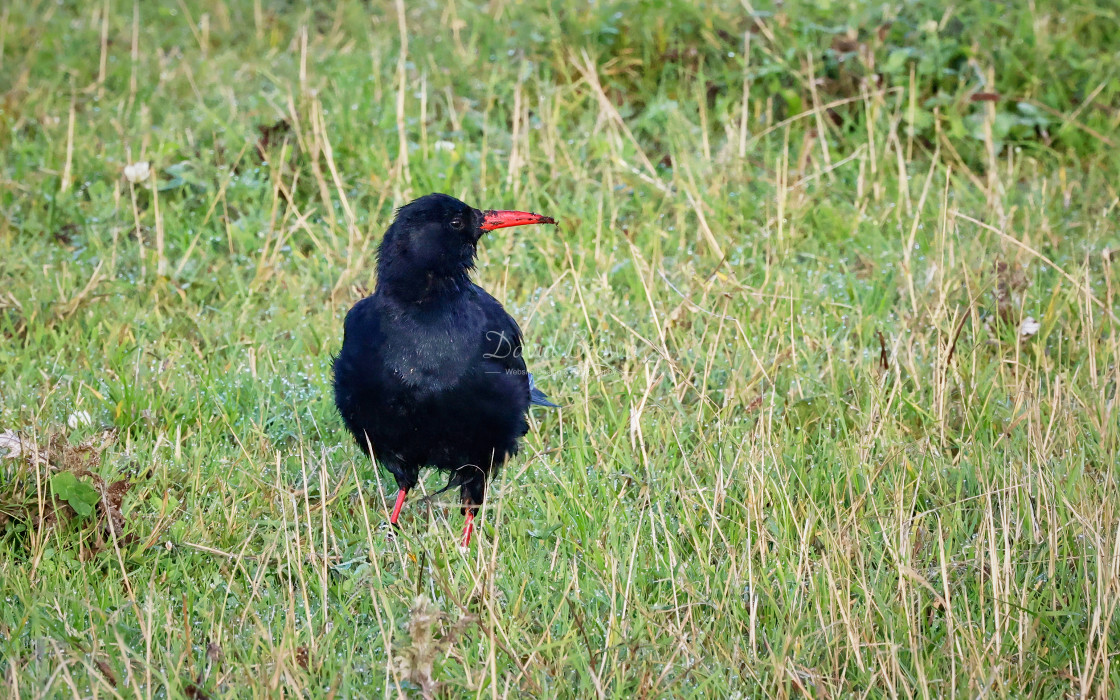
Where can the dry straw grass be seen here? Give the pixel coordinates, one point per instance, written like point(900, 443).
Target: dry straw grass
point(838, 387)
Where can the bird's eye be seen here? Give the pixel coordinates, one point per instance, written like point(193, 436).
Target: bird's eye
point(457, 224)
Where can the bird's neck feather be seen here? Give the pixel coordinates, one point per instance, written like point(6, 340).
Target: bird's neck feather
point(422, 287)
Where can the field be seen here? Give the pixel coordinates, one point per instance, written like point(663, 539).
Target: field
point(831, 315)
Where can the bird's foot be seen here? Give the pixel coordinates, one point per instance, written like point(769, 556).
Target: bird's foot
point(397, 506)
point(467, 530)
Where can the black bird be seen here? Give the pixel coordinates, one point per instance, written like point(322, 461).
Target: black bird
point(430, 372)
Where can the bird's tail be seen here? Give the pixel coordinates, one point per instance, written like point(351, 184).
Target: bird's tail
point(537, 397)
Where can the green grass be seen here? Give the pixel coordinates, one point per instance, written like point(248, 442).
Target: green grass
point(805, 447)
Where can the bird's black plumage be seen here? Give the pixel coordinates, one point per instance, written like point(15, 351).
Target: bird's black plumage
point(430, 372)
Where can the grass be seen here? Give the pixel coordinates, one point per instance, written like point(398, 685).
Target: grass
point(811, 442)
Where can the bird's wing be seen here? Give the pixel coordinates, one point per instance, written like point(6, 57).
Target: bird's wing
point(503, 347)
point(501, 341)
point(362, 326)
point(537, 397)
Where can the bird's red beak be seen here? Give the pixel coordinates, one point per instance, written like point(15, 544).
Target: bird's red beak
point(495, 218)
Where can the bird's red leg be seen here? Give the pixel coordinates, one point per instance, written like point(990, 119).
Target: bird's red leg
point(397, 507)
point(468, 528)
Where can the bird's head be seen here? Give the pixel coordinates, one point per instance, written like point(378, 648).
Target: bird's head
point(433, 241)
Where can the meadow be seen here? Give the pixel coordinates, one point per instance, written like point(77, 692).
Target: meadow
point(831, 316)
